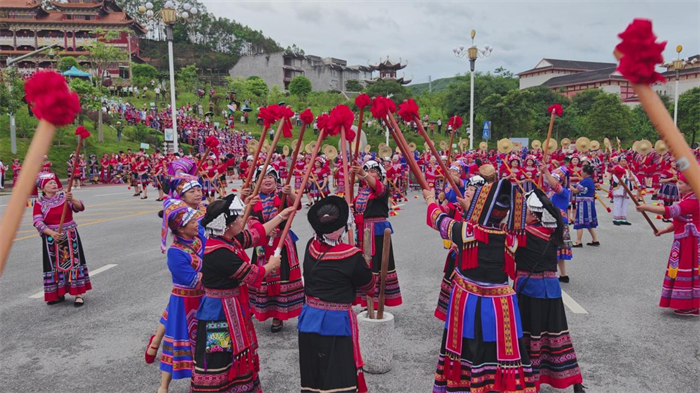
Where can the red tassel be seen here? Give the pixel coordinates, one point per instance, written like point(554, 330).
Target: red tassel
point(456, 372)
point(509, 266)
point(361, 383)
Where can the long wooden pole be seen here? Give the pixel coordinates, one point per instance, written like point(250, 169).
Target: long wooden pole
point(356, 154)
point(382, 274)
point(545, 153)
point(636, 203)
point(412, 165)
point(290, 172)
point(445, 171)
point(70, 183)
point(248, 179)
point(346, 178)
point(258, 183)
point(297, 200)
point(26, 182)
point(449, 151)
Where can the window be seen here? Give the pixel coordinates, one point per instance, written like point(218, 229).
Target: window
point(334, 72)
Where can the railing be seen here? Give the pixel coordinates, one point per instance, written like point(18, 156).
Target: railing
point(25, 41)
point(7, 41)
point(43, 41)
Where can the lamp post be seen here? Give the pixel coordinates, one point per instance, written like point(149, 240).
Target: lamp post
point(474, 53)
point(170, 15)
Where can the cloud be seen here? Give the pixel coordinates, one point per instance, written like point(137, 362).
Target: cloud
point(424, 33)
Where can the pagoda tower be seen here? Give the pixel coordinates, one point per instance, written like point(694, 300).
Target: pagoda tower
point(387, 71)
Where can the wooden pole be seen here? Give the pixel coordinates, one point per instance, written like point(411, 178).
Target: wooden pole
point(382, 274)
point(356, 154)
point(545, 153)
point(602, 203)
point(636, 203)
point(26, 182)
point(444, 168)
point(70, 184)
point(292, 164)
point(367, 253)
point(413, 166)
point(346, 178)
point(258, 183)
point(246, 184)
point(449, 148)
point(297, 200)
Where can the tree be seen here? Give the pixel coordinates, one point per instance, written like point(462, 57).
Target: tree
point(66, 63)
point(458, 91)
point(397, 91)
point(103, 57)
point(608, 116)
point(295, 50)
point(689, 113)
point(584, 100)
point(11, 95)
point(300, 86)
point(143, 74)
point(353, 85)
point(503, 72)
point(257, 86)
point(188, 76)
point(510, 114)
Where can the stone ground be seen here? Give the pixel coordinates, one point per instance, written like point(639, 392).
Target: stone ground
point(624, 341)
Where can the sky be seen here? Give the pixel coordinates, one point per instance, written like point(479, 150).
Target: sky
point(425, 33)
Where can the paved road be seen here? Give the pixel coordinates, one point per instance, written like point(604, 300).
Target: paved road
point(624, 341)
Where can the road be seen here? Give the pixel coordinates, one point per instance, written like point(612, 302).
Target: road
point(624, 341)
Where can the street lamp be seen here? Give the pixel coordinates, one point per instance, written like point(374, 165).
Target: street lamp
point(170, 15)
point(677, 66)
point(474, 53)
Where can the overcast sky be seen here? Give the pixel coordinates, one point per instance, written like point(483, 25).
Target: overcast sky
point(424, 33)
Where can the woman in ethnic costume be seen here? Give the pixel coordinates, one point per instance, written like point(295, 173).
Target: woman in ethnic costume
point(371, 211)
point(185, 264)
point(329, 351)
point(482, 348)
point(545, 330)
point(586, 214)
point(281, 294)
point(681, 287)
point(559, 193)
point(225, 358)
point(65, 271)
point(455, 212)
point(183, 187)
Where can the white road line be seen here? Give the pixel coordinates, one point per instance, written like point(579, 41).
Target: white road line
point(93, 273)
point(114, 193)
point(571, 303)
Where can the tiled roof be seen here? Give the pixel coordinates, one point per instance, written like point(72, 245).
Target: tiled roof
point(19, 4)
point(76, 5)
point(578, 65)
point(583, 77)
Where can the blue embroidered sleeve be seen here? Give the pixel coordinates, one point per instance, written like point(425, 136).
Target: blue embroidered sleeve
point(181, 269)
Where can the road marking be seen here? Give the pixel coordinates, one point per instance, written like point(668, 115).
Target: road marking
point(571, 303)
point(94, 222)
point(93, 273)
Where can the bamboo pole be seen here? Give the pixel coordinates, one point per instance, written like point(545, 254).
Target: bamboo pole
point(636, 203)
point(76, 159)
point(545, 153)
point(346, 178)
point(258, 183)
point(290, 172)
point(248, 179)
point(382, 274)
point(413, 166)
point(26, 182)
point(356, 153)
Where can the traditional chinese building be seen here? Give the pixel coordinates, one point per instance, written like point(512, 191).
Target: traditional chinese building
point(387, 72)
point(570, 77)
point(25, 26)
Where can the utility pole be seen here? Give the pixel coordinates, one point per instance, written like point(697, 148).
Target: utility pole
point(430, 85)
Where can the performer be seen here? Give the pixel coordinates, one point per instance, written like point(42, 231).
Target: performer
point(620, 198)
point(225, 357)
point(586, 215)
point(482, 350)
point(318, 183)
point(329, 351)
point(559, 193)
point(454, 211)
point(281, 294)
point(143, 169)
point(681, 287)
point(46, 166)
point(530, 170)
point(185, 264)
point(545, 330)
point(669, 186)
point(65, 271)
point(16, 168)
point(371, 211)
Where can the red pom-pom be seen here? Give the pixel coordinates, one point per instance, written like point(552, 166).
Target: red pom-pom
point(306, 116)
point(408, 110)
point(341, 116)
point(363, 101)
point(82, 132)
point(640, 53)
point(270, 114)
point(322, 122)
point(51, 99)
point(379, 109)
point(390, 105)
point(455, 122)
point(556, 109)
point(619, 171)
point(211, 142)
point(286, 113)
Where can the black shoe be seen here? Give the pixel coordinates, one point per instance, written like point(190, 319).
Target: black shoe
point(564, 279)
point(625, 223)
point(580, 245)
point(579, 388)
point(616, 223)
point(79, 302)
point(60, 299)
point(593, 244)
point(277, 328)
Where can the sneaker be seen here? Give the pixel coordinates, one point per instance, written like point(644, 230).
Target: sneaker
point(694, 312)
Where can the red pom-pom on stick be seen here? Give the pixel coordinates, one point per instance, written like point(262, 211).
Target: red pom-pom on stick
point(82, 132)
point(211, 142)
point(286, 114)
point(640, 53)
point(556, 109)
point(306, 116)
point(341, 116)
point(323, 122)
point(408, 110)
point(362, 101)
point(50, 98)
point(455, 122)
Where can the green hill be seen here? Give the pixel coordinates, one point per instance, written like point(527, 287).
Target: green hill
point(438, 85)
